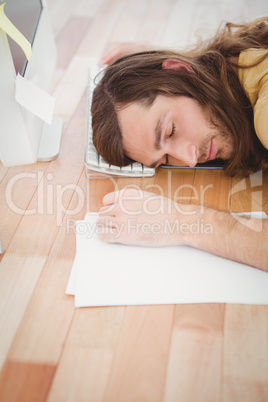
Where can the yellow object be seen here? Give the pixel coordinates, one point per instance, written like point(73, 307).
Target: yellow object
point(255, 83)
point(10, 29)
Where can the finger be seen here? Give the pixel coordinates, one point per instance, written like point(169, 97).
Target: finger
point(108, 58)
point(112, 198)
point(108, 210)
point(108, 231)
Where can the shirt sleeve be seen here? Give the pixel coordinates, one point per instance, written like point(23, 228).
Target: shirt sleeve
point(255, 83)
point(261, 115)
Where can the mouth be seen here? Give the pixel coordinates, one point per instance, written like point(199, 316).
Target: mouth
point(212, 152)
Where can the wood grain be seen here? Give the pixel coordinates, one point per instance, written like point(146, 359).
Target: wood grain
point(50, 351)
point(142, 350)
point(245, 354)
point(197, 335)
point(22, 382)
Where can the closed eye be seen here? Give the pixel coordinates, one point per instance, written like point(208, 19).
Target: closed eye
point(170, 135)
point(172, 131)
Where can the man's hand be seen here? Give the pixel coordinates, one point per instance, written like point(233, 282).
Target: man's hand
point(136, 217)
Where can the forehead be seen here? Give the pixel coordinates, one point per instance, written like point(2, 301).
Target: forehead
point(136, 115)
point(138, 124)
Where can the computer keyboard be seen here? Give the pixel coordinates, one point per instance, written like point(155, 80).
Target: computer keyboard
point(96, 167)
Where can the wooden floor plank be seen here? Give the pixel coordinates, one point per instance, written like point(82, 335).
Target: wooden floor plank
point(18, 277)
point(179, 25)
point(130, 21)
point(41, 340)
point(159, 12)
point(69, 39)
point(71, 88)
point(60, 11)
point(3, 171)
point(197, 336)
point(212, 189)
point(245, 367)
point(86, 371)
point(88, 355)
point(89, 8)
point(30, 240)
point(25, 382)
point(16, 192)
point(139, 367)
point(100, 31)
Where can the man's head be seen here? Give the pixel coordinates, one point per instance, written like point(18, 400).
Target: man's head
point(202, 113)
point(173, 130)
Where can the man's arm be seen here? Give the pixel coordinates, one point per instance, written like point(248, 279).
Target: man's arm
point(234, 237)
point(136, 217)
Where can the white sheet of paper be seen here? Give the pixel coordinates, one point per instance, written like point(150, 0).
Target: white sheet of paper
point(34, 99)
point(113, 274)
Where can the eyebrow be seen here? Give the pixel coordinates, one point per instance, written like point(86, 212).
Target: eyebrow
point(158, 140)
point(158, 134)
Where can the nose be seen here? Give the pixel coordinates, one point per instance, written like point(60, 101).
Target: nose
point(185, 154)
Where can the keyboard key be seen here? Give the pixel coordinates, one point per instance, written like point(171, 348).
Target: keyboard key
point(136, 167)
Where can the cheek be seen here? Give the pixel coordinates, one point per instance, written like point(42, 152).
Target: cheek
point(193, 121)
point(136, 150)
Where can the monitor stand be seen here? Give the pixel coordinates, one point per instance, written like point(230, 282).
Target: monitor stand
point(50, 141)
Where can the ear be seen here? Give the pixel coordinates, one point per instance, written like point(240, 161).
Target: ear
point(175, 64)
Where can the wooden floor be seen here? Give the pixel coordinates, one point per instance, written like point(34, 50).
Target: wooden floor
point(48, 350)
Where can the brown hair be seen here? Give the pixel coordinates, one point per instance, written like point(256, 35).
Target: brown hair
point(215, 85)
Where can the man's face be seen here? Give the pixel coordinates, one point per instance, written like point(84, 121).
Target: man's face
point(173, 130)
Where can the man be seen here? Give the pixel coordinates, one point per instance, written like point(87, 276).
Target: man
point(160, 107)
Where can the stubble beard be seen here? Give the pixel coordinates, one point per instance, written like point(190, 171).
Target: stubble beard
point(224, 142)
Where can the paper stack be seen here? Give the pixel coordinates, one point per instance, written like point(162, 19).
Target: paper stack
point(113, 274)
